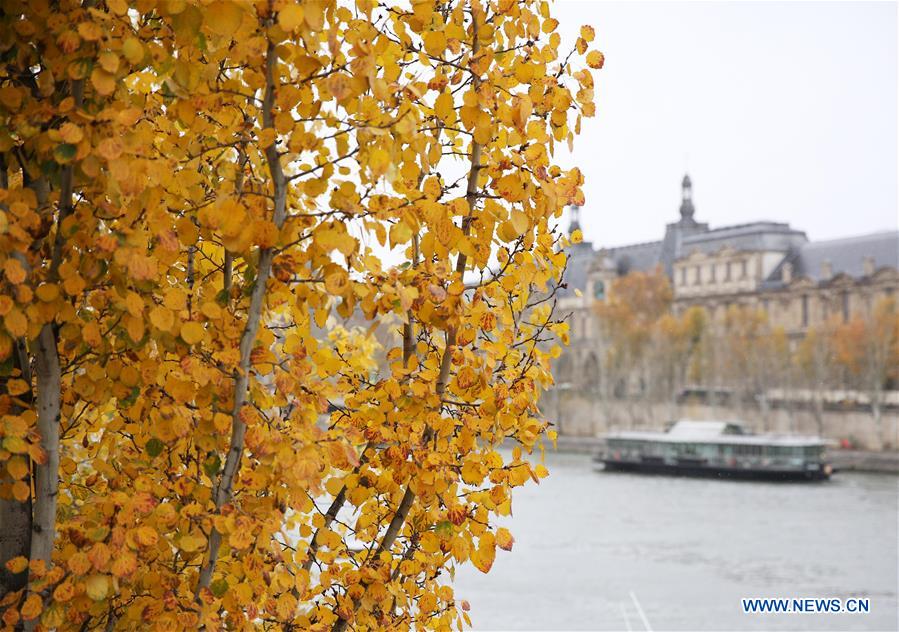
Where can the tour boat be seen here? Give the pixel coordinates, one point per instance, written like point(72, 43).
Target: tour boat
point(717, 448)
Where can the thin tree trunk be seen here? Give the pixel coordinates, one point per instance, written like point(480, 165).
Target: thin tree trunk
point(224, 491)
point(46, 483)
point(15, 515)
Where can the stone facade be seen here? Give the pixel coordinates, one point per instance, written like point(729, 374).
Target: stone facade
point(799, 283)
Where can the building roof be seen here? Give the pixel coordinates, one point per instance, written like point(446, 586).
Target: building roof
point(580, 256)
point(848, 255)
point(644, 256)
point(766, 236)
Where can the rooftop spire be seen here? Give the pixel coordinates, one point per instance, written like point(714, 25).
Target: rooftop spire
point(686, 205)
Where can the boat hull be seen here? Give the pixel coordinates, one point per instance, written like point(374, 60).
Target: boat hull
point(823, 473)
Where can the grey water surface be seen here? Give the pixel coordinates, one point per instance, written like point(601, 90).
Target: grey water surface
point(614, 551)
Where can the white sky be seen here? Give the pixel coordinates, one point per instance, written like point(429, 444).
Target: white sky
point(783, 111)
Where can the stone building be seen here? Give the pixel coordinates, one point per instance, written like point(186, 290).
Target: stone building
point(799, 283)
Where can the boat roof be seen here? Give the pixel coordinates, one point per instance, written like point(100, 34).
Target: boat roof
point(727, 432)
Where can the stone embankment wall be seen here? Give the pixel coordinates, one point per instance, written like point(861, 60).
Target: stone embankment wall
point(585, 416)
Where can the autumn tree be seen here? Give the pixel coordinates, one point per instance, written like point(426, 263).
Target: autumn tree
point(626, 318)
point(189, 191)
point(867, 348)
point(815, 361)
point(675, 356)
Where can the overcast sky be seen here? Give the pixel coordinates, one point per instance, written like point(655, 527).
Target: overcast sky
point(780, 111)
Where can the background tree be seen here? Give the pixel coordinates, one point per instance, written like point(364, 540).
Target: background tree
point(816, 363)
point(675, 358)
point(634, 304)
point(867, 349)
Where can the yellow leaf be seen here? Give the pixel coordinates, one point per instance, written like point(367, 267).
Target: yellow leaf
point(291, 17)
point(17, 468)
point(71, 133)
point(109, 61)
point(21, 491)
point(32, 607)
point(378, 161)
point(14, 271)
point(519, 221)
point(124, 564)
point(119, 7)
point(400, 233)
point(190, 543)
point(504, 539)
point(483, 556)
point(47, 292)
point(96, 587)
point(336, 282)
point(146, 536)
point(16, 324)
point(461, 549)
point(162, 318)
point(17, 564)
point(224, 18)
point(435, 42)
point(133, 50)
point(103, 81)
point(64, 592)
point(314, 15)
point(192, 332)
point(595, 59)
point(110, 148)
point(587, 33)
point(79, 563)
point(17, 387)
point(334, 485)
point(211, 310)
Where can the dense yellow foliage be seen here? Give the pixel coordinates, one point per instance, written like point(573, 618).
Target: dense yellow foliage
point(189, 189)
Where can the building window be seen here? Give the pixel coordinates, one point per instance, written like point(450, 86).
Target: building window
point(698, 277)
point(712, 269)
point(805, 310)
point(683, 276)
point(727, 271)
point(743, 269)
point(845, 306)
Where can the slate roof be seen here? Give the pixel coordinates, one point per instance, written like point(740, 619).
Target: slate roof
point(768, 236)
point(580, 256)
point(643, 257)
point(847, 255)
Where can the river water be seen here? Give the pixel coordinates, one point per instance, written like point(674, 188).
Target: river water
point(616, 551)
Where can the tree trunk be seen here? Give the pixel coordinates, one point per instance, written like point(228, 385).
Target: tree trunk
point(15, 516)
point(46, 479)
point(818, 411)
point(15, 538)
point(877, 414)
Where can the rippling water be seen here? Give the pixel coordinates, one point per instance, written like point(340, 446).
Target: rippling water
point(688, 550)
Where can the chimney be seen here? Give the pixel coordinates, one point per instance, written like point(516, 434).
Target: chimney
point(868, 265)
point(786, 272)
point(826, 270)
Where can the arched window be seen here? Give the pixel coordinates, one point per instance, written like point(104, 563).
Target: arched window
point(564, 371)
point(590, 374)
